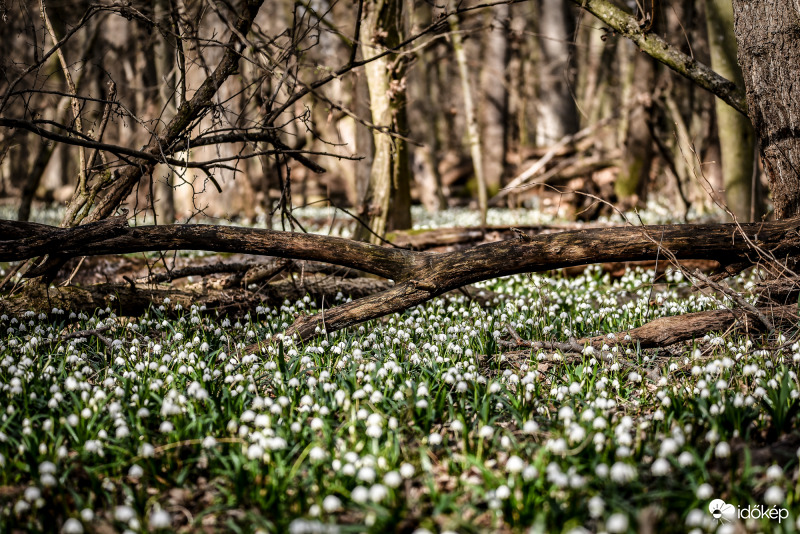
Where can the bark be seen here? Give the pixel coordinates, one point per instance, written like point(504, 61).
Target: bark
point(418, 276)
point(558, 115)
point(635, 172)
point(736, 136)
point(494, 89)
point(473, 131)
point(387, 202)
point(164, 61)
point(134, 300)
point(769, 52)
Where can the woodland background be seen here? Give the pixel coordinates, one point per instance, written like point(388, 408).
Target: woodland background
point(536, 95)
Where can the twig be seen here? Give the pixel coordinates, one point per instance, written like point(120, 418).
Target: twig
point(737, 298)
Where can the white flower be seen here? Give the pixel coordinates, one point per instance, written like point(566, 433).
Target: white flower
point(124, 514)
point(503, 492)
point(774, 496)
point(530, 427)
point(377, 493)
point(515, 465)
point(254, 452)
point(135, 471)
point(159, 519)
point(87, 515)
point(317, 454)
point(360, 494)
point(660, 467)
point(486, 432)
point(366, 474)
point(392, 479)
point(617, 523)
point(704, 491)
point(596, 506)
point(72, 526)
point(32, 493)
point(166, 427)
point(668, 447)
point(331, 503)
point(435, 438)
point(722, 450)
point(407, 470)
point(685, 459)
point(622, 472)
point(774, 472)
point(209, 442)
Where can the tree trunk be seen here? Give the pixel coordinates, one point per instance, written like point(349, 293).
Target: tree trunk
point(736, 137)
point(473, 132)
point(164, 61)
point(769, 53)
point(387, 202)
point(494, 89)
point(631, 183)
point(558, 115)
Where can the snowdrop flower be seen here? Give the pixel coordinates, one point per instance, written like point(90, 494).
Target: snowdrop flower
point(72, 526)
point(617, 523)
point(317, 454)
point(360, 494)
point(622, 473)
point(377, 493)
point(503, 492)
point(254, 452)
point(685, 459)
point(366, 474)
point(407, 470)
point(596, 506)
point(392, 479)
point(166, 427)
point(135, 472)
point(486, 432)
point(660, 467)
point(124, 514)
point(435, 439)
point(774, 496)
point(331, 504)
point(530, 427)
point(515, 465)
point(774, 472)
point(159, 519)
point(722, 450)
point(704, 491)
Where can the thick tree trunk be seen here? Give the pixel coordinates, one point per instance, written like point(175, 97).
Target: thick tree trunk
point(769, 53)
point(736, 137)
point(638, 156)
point(558, 115)
point(473, 131)
point(494, 89)
point(386, 204)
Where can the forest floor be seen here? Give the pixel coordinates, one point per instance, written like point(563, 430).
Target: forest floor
point(432, 420)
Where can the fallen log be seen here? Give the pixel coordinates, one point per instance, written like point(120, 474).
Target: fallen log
point(418, 276)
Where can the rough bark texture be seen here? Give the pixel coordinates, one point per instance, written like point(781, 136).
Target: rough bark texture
point(419, 276)
point(387, 202)
point(736, 137)
point(768, 33)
